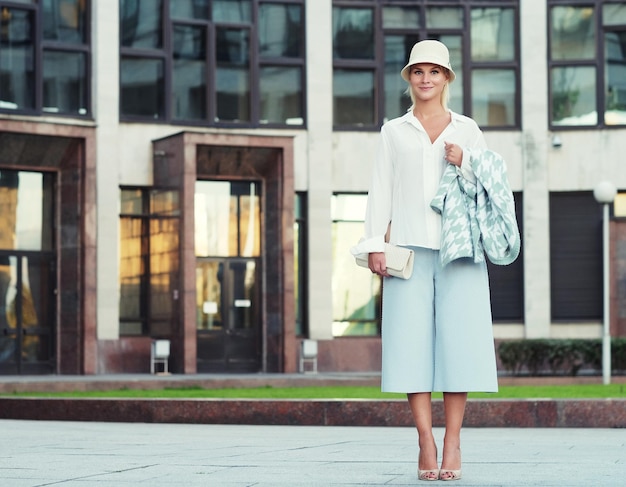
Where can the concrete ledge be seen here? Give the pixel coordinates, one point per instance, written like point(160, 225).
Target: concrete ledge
point(592, 413)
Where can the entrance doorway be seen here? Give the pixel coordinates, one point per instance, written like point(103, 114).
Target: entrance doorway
point(27, 273)
point(228, 276)
point(228, 315)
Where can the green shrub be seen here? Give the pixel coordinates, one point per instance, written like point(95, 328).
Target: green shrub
point(559, 357)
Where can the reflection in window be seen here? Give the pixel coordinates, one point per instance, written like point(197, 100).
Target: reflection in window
point(142, 87)
point(353, 92)
point(64, 20)
point(574, 96)
point(281, 95)
point(353, 33)
point(205, 53)
point(615, 76)
point(190, 72)
point(140, 23)
point(573, 33)
point(493, 97)
point(149, 261)
point(65, 82)
point(26, 220)
point(280, 30)
point(233, 75)
point(356, 291)
point(17, 59)
point(227, 219)
point(486, 37)
point(493, 34)
point(588, 64)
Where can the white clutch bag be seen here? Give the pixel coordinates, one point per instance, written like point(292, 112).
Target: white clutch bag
point(399, 261)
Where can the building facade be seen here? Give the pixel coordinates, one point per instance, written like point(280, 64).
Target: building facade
point(196, 171)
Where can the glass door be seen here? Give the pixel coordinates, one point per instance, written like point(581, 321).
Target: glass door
point(228, 250)
point(27, 273)
point(228, 318)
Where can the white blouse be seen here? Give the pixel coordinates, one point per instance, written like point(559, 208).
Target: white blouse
point(405, 178)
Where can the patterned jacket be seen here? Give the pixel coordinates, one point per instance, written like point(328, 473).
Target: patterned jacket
point(478, 218)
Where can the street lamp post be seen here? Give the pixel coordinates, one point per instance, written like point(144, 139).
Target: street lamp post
point(604, 194)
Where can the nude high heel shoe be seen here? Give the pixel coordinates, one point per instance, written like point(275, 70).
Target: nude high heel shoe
point(449, 474)
point(429, 475)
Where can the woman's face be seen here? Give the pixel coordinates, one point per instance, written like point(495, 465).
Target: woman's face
point(427, 81)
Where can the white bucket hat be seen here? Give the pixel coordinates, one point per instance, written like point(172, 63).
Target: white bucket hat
point(428, 52)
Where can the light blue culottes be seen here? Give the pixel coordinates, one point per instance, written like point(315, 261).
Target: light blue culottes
point(437, 329)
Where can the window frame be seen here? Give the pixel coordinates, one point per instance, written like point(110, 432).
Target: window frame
point(598, 62)
point(424, 32)
point(255, 63)
point(40, 46)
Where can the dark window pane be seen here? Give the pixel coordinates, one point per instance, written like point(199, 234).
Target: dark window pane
point(190, 73)
point(574, 96)
point(17, 60)
point(353, 97)
point(64, 20)
point(280, 30)
point(444, 18)
point(401, 17)
point(573, 34)
point(397, 49)
point(233, 75)
point(493, 97)
point(232, 11)
point(614, 14)
point(575, 256)
point(189, 9)
point(615, 77)
point(142, 87)
point(281, 95)
point(493, 34)
point(141, 23)
point(64, 82)
point(353, 33)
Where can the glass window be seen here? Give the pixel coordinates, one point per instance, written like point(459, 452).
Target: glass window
point(213, 62)
point(573, 34)
point(141, 90)
point(353, 33)
point(587, 64)
point(64, 20)
point(44, 57)
point(64, 82)
point(227, 219)
point(353, 91)
point(140, 23)
point(281, 95)
point(149, 260)
point(280, 31)
point(493, 97)
point(615, 77)
point(444, 18)
point(493, 34)
point(17, 59)
point(356, 291)
point(189, 73)
point(25, 204)
point(574, 96)
point(482, 41)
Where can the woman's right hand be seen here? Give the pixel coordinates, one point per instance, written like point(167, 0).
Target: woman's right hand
point(378, 263)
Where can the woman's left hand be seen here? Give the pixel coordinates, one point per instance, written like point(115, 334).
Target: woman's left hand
point(454, 153)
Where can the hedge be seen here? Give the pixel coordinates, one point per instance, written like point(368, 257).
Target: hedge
point(559, 357)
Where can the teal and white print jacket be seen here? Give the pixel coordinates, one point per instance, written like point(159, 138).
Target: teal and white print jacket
point(478, 218)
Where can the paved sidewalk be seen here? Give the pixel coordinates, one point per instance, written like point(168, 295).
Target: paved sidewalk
point(51, 453)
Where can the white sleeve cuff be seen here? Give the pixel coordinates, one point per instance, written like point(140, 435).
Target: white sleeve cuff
point(369, 245)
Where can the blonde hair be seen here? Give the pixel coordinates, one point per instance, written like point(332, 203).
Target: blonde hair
point(445, 94)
